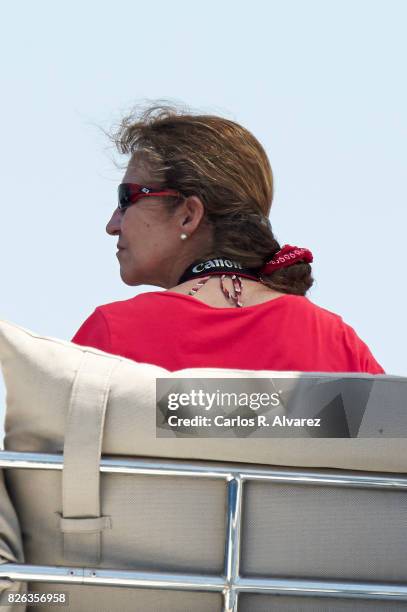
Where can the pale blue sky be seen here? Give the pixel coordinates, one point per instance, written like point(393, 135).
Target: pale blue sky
point(321, 83)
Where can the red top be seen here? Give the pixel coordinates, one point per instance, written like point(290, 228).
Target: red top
point(178, 331)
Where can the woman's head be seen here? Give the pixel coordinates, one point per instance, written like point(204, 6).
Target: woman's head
point(226, 181)
point(150, 232)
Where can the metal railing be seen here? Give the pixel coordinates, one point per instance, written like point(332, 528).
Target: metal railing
point(230, 584)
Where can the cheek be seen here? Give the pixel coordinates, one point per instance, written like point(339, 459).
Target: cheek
point(162, 236)
point(132, 227)
point(146, 233)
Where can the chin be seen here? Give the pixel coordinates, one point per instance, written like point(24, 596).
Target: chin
point(131, 279)
point(134, 277)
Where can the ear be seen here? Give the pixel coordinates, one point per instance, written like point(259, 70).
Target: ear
point(190, 214)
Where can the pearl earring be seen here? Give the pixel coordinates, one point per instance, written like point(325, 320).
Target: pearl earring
point(184, 236)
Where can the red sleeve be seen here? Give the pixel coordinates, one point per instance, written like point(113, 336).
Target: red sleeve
point(368, 362)
point(94, 332)
point(362, 356)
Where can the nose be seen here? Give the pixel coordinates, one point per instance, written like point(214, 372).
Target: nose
point(114, 226)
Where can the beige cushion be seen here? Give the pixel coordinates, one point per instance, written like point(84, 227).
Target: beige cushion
point(57, 396)
point(39, 373)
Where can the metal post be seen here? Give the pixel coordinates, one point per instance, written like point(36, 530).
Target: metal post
point(232, 547)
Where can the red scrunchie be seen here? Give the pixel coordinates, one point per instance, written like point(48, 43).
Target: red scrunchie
point(287, 256)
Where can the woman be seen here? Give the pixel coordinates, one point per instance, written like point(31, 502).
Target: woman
point(192, 218)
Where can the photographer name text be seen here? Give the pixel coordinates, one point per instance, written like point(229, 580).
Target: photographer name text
point(238, 421)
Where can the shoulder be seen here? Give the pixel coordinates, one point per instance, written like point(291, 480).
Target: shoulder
point(142, 303)
point(326, 317)
point(303, 304)
point(319, 320)
point(359, 354)
point(97, 329)
point(333, 330)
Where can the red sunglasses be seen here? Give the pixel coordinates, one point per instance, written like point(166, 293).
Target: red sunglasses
point(130, 193)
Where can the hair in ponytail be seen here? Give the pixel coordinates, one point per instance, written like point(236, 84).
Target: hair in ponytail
point(250, 240)
point(295, 279)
